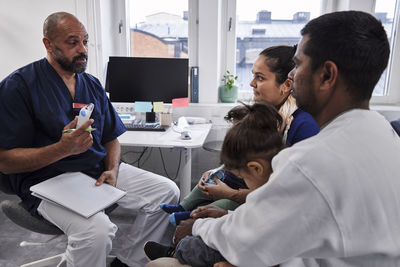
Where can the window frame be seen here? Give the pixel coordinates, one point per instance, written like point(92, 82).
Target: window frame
point(392, 81)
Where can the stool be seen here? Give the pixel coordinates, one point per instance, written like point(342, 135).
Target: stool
point(213, 146)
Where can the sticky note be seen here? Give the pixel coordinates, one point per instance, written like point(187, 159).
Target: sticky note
point(142, 106)
point(180, 102)
point(158, 106)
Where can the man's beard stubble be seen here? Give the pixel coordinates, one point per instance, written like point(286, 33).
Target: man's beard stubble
point(70, 66)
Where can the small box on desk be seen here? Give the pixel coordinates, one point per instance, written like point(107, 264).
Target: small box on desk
point(165, 119)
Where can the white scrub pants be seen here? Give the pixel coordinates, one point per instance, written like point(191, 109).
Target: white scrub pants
point(90, 240)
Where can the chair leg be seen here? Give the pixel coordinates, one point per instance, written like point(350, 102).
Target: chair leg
point(57, 260)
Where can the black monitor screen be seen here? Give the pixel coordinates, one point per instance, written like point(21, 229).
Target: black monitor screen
point(131, 79)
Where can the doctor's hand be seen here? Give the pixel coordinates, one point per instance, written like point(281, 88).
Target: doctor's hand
point(208, 211)
point(109, 177)
point(77, 141)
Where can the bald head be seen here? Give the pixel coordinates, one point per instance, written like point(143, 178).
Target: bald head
point(66, 42)
point(52, 22)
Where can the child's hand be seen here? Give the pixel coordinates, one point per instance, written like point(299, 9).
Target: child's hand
point(218, 191)
point(205, 175)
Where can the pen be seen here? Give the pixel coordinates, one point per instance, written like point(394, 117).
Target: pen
point(86, 130)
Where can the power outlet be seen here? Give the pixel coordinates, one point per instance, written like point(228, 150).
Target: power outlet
point(124, 108)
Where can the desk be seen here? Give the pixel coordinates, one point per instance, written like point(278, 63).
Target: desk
point(171, 139)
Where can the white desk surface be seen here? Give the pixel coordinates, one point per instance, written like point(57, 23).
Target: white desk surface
point(169, 138)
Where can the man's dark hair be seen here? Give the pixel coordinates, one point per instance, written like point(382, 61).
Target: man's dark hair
point(356, 42)
point(254, 136)
point(280, 60)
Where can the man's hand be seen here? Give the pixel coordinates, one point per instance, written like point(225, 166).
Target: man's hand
point(18, 160)
point(183, 229)
point(109, 177)
point(77, 141)
point(218, 191)
point(223, 264)
point(207, 212)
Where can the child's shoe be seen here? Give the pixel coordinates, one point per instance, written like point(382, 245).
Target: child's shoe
point(171, 208)
point(176, 217)
point(154, 250)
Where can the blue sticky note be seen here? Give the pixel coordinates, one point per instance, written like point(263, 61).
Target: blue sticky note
point(142, 106)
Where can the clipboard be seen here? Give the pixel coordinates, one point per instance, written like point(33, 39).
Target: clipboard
point(77, 192)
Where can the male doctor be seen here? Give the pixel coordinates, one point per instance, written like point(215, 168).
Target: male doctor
point(38, 102)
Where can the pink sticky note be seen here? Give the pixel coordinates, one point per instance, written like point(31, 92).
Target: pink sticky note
point(180, 102)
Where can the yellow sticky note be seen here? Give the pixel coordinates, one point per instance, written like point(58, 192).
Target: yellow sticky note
point(158, 106)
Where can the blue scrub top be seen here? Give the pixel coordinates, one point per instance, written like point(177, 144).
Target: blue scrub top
point(35, 105)
point(303, 126)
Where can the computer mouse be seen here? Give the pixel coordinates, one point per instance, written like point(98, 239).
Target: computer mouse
point(185, 135)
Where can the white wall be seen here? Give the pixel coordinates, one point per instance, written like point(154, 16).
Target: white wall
point(21, 30)
point(22, 22)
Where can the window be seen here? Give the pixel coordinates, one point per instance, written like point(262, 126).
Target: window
point(159, 28)
point(261, 24)
point(384, 11)
point(229, 34)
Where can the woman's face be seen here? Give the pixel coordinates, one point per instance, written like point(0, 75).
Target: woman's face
point(265, 87)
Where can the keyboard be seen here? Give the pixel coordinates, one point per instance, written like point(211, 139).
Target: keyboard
point(140, 126)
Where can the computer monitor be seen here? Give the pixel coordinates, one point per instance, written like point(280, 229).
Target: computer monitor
point(131, 79)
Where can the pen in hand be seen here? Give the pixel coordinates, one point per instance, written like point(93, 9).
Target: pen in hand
point(89, 129)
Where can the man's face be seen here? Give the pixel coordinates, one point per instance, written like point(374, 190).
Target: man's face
point(302, 75)
point(70, 46)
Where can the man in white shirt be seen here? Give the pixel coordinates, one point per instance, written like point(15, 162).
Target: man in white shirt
point(333, 199)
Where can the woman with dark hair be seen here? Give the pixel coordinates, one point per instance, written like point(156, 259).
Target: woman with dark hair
point(272, 85)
